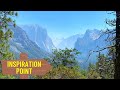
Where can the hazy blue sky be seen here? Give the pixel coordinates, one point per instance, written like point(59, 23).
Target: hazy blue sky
point(64, 23)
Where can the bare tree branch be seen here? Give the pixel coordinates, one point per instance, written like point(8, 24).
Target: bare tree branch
point(104, 48)
point(90, 52)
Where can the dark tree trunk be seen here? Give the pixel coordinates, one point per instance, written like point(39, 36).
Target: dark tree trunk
point(117, 60)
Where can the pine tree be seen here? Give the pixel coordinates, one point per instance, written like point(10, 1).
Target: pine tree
point(6, 34)
point(105, 66)
point(66, 57)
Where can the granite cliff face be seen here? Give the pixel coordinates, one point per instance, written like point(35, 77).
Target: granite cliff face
point(91, 41)
point(21, 43)
point(39, 35)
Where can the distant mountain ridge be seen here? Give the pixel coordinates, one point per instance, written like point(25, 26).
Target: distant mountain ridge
point(69, 42)
point(57, 41)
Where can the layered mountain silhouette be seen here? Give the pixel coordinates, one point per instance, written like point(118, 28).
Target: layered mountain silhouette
point(92, 40)
point(34, 40)
point(68, 42)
